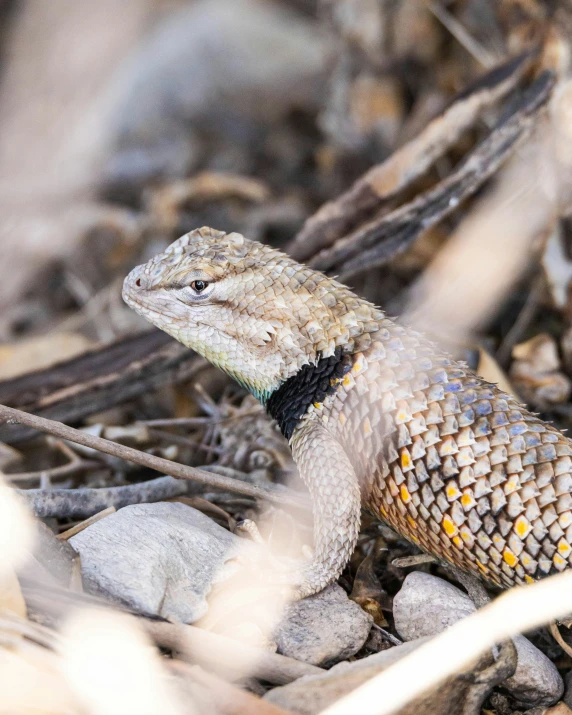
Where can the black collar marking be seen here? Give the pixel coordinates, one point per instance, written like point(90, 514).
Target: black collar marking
point(310, 384)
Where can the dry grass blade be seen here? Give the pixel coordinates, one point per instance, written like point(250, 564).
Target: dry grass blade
point(180, 471)
point(518, 610)
point(62, 472)
point(461, 35)
point(16, 531)
point(555, 633)
point(68, 533)
point(381, 240)
point(381, 183)
point(111, 668)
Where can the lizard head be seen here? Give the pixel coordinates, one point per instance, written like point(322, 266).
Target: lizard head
point(245, 306)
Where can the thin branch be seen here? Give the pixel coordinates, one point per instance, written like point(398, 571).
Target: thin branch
point(83, 503)
point(183, 441)
point(271, 493)
point(523, 320)
point(65, 470)
point(99, 379)
point(463, 37)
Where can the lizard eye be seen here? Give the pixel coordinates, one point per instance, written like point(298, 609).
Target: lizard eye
point(199, 286)
point(197, 291)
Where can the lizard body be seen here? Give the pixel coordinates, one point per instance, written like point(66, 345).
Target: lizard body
point(375, 413)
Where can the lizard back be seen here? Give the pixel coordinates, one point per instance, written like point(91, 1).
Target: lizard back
point(451, 462)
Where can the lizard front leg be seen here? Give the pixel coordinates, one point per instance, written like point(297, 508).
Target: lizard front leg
point(336, 503)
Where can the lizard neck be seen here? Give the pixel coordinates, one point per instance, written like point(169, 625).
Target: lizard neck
point(310, 385)
point(345, 327)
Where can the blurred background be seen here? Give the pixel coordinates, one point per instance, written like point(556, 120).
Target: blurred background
point(122, 127)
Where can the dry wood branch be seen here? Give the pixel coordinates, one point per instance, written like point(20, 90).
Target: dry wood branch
point(382, 183)
point(226, 656)
point(83, 503)
point(381, 240)
point(173, 469)
point(484, 681)
point(99, 379)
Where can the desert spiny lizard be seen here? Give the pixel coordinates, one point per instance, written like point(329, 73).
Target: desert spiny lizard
point(375, 413)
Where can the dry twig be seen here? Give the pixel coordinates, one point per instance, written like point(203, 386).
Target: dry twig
point(84, 503)
point(180, 471)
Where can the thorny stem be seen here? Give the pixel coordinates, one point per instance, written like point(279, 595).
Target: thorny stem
point(275, 494)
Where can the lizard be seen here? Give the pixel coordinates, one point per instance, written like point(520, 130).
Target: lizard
point(375, 413)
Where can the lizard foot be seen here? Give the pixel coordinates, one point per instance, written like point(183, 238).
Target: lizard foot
point(300, 575)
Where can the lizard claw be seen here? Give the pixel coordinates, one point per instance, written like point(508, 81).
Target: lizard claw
point(249, 527)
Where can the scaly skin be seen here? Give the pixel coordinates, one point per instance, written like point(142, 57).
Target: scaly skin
point(448, 460)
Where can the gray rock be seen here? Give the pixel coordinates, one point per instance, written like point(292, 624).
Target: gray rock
point(324, 628)
point(162, 559)
point(158, 558)
point(54, 555)
point(426, 605)
point(567, 697)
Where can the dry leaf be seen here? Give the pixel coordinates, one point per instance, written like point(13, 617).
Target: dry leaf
point(536, 373)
